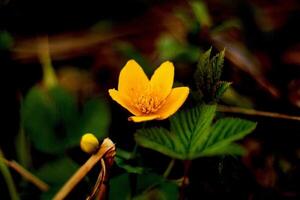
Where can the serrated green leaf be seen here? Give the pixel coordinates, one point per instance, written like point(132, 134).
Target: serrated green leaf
point(193, 125)
point(217, 63)
point(186, 128)
point(208, 74)
point(192, 135)
point(161, 140)
point(221, 87)
point(229, 149)
point(223, 133)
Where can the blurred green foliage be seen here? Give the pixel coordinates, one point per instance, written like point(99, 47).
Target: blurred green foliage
point(54, 122)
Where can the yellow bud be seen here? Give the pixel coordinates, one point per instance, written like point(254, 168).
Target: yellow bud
point(89, 143)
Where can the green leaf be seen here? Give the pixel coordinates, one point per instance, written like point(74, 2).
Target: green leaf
point(208, 74)
point(193, 125)
point(57, 172)
point(221, 87)
point(94, 119)
point(129, 168)
point(151, 186)
point(161, 140)
point(217, 66)
point(223, 133)
point(201, 12)
point(170, 48)
point(53, 122)
point(120, 188)
point(193, 135)
point(45, 116)
point(186, 128)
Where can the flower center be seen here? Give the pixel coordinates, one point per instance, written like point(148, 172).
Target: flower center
point(148, 104)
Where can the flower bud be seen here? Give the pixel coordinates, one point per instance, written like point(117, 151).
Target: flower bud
point(89, 143)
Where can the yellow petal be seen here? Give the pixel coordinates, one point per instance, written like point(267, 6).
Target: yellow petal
point(173, 102)
point(123, 101)
point(162, 80)
point(143, 118)
point(132, 80)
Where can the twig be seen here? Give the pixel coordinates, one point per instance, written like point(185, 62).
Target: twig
point(27, 175)
point(169, 168)
point(106, 146)
point(246, 111)
point(8, 179)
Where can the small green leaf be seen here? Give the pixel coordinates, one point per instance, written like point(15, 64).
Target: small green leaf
point(208, 74)
point(221, 87)
point(129, 168)
point(217, 66)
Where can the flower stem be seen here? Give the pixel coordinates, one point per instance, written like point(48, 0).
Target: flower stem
point(8, 179)
point(185, 181)
point(246, 111)
point(169, 168)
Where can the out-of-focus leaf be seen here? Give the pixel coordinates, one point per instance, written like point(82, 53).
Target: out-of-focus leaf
point(58, 171)
point(131, 53)
point(95, 118)
point(53, 122)
point(120, 188)
point(129, 168)
point(221, 87)
point(171, 49)
point(153, 186)
point(201, 13)
point(23, 149)
point(232, 97)
point(6, 40)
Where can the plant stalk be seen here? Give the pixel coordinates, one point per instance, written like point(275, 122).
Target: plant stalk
point(185, 181)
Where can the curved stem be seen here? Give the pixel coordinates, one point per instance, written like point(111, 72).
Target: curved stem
point(8, 179)
point(169, 168)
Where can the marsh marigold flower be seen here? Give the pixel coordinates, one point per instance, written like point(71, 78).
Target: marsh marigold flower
point(148, 99)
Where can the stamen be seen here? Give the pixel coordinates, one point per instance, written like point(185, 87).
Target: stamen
point(148, 102)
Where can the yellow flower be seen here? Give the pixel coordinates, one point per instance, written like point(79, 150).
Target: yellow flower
point(148, 99)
